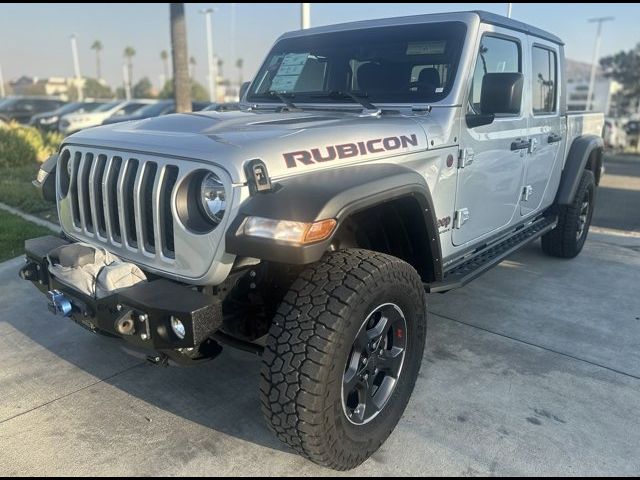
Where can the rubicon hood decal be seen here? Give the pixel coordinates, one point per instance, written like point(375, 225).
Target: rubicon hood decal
point(349, 150)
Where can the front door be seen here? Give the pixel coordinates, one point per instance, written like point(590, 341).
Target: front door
point(545, 128)
point(489, 187)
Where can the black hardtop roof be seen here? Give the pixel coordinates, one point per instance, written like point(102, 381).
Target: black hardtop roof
point(466, 16)
point(502, 21)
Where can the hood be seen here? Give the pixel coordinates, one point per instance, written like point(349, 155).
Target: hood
point(289, 143)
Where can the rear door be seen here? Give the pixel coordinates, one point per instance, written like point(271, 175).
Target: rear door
point(488, 189)
point(546, 130)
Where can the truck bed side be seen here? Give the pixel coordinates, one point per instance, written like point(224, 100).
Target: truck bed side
point(580, 124)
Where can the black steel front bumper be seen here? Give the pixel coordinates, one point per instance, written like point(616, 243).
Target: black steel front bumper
point(141, 315)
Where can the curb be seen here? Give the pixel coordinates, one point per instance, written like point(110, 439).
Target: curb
point(30, 218)
point(614, 232)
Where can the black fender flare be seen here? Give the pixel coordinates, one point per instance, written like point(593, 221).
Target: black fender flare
point(336, 193)
point(577, 158)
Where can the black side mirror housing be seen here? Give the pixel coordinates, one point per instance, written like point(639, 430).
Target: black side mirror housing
point(243, 89)
point(501, 93)
point(477, 120)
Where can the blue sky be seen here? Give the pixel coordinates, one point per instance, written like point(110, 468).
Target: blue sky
point(34, 38)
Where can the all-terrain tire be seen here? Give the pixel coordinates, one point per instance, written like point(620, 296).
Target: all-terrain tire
point(309, 344)
point(567, 239)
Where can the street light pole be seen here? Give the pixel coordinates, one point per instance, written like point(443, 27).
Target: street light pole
point(305, 15)
point(127, 82)
point(213, 80)
point(76, 65)
point(594, 60)
point(509, 10)
point(1, 83)
point(232, 40)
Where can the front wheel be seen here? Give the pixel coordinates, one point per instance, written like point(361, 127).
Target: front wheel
point(567, 239)
point(343, 355)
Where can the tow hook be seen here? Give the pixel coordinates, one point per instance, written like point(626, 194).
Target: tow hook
point(160, 360)
point(59, 304)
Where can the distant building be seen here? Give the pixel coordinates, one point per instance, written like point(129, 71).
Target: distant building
point(604, 89)
point(54, 86)
point(22, 84)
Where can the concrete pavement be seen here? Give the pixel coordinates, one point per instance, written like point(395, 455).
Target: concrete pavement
point(532, 369)
point(619, 194)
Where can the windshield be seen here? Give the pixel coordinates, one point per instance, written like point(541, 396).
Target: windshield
point(7, 102)
point(398, 64)
point(107, 106)
point(77, 107)
point(154, 109)
point(68, 108)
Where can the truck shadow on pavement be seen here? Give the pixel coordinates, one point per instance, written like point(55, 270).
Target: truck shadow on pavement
point(618, 194)
point(222, 395)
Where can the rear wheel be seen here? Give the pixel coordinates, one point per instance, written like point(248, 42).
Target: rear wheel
point(343, 355)
point(574, 220)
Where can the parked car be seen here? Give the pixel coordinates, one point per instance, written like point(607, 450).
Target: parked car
point(162, 107)
point(613, 134)
point(77, 121)
point(21, 109)
point(223, 107)
point(632, 130)
point(49, 120)
point(371, 162)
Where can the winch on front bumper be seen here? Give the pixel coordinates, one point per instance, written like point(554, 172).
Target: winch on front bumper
point(142, 314)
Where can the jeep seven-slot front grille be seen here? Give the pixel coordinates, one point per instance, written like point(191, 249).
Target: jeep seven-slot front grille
point(122, 200)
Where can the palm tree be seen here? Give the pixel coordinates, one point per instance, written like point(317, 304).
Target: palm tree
point(220, 64)
point(164, 56)
point(239, 65)
point(129, 53)
point(97, 46)
point(192, 64)
point(181, 86)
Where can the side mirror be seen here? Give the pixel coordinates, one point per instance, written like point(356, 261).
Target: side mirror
point(243, 89)
point(501, 93)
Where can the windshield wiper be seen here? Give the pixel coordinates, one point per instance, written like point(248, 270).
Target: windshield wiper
point(284, 98)
point(361, 99)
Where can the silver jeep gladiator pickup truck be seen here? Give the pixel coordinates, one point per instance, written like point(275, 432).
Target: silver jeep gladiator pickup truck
point(371, 163)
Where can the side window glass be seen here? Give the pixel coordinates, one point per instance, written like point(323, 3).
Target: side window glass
point(544, 81)
point(131, 108)
point(495, 55)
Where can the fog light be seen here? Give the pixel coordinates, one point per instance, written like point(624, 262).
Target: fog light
point(178, 328)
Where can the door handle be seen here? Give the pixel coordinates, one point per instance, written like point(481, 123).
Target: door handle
point(553, 138)
point(520, 144)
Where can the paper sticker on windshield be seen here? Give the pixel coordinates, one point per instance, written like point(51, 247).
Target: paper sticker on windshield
point(289, 72)
point(426, 48)
point(284, 84)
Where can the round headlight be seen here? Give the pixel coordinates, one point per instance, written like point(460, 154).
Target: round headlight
point(212, 197)
point(178, 328)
